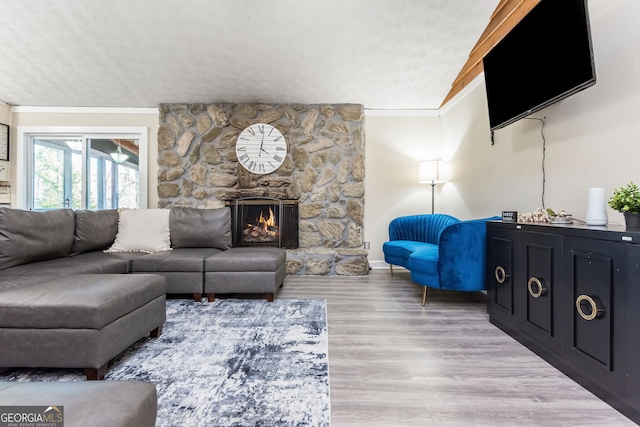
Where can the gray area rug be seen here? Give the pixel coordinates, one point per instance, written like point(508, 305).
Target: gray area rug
point(228, 363)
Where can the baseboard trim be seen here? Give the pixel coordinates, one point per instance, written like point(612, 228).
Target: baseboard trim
point(381, 265)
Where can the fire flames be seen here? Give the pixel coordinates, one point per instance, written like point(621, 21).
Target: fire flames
point(265, 230)
point(267, 222)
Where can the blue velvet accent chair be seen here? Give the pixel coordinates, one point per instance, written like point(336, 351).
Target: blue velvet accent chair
point(440, 251)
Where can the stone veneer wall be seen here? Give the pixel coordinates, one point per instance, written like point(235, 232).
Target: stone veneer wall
point(324, 171)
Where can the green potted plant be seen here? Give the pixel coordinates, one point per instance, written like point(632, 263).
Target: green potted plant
point(627, 200)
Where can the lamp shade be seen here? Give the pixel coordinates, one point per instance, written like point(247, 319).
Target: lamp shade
point(119, 156)
point(430, 172)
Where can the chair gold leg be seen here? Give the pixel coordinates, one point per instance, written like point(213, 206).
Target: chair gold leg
point(391, 268)
point(424, 295)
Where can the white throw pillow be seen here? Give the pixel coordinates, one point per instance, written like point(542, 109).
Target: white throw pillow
point(142, 230)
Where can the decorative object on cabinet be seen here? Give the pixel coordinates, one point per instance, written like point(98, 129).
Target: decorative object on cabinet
point(4, 142)
point(510, 216)
point(561, 217)
point(596, 207)
point(632, 219)
point(627, 200)
point(547, 215)
point(431, 173)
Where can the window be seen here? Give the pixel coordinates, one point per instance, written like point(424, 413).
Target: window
point(111, 184)
point(57, 177)
point(78, 171)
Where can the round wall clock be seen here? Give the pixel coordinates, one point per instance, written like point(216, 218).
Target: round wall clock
point(261, 148)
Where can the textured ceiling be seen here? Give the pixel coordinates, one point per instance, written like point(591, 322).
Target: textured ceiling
point(384, 54)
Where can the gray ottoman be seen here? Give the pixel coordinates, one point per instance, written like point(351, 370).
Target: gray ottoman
point(80, 321)
point(248, 270)
point(95, 404)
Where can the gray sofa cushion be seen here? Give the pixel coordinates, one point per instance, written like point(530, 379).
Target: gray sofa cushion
point(246, 259)
point(61, 267)
point(180, 259)
point(27, 236)
point(94, 230)
point(82, 301)
point(200, 228)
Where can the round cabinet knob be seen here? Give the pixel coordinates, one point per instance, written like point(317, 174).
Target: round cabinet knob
point(536, 287)
point(593, 306)
point(501, 274)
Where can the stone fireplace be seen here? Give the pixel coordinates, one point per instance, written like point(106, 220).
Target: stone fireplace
point(262, 221)
point(323, 172)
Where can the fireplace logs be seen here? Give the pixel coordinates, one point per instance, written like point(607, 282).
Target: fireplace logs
point(265, 222)
point(265, 229)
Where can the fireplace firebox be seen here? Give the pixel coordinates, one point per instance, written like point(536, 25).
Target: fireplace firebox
point(260, 221)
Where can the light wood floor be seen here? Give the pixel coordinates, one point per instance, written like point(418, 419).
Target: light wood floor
point(395, 363)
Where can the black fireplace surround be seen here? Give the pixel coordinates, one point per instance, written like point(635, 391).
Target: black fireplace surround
point(263, 221)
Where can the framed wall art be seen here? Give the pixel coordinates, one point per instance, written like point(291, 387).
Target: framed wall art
point(4, 142)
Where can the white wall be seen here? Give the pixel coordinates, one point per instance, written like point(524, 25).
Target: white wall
point(395, 146)
point(5, 113)
point(592, 138)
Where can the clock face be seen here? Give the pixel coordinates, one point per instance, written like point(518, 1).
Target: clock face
point(261, 149)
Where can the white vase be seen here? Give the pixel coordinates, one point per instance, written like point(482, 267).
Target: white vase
point(597, 207)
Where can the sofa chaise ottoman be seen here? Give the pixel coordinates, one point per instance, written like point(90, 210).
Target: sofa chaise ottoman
point(80, 321)
point(95, 404)
point(256, 270)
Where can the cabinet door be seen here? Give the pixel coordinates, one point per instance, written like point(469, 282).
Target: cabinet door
point(538, 287)
point(596, 297)
point(500, 244)
point(632, 308)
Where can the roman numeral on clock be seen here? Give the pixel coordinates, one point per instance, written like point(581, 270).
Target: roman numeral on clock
point(277, 158)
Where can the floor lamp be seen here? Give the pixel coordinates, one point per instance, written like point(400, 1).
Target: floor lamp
point(430, 173)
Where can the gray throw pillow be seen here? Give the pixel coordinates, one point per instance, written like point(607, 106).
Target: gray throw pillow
point(200, 228)
point(29, 236)
point(95, 230)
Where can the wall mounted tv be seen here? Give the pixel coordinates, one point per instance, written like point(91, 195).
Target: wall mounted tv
point(545, 58)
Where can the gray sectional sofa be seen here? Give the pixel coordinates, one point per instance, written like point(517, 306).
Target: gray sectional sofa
point(36, 246)
point(66, 302)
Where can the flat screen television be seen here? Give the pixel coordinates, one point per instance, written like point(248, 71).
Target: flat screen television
point(545, 58)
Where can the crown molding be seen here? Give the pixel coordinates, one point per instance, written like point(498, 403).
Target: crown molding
point(478, 80)
point(401, 113)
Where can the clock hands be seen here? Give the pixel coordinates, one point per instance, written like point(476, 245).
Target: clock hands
point(261, 144)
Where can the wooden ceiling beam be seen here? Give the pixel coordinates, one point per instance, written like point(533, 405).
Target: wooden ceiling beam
point(506, 15)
